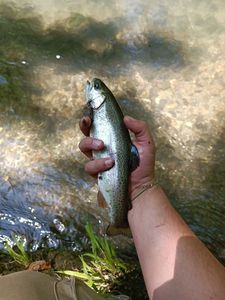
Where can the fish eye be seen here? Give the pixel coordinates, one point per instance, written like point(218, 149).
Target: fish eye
point(96, 85)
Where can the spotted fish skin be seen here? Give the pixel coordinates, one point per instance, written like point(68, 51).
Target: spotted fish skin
point(108, 126)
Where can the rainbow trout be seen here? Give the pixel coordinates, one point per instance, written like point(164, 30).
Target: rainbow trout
point(108, 126)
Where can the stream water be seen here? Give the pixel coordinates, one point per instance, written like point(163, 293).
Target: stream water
point(165, 63)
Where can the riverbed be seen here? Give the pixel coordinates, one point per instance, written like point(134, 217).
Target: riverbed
point(164, 62)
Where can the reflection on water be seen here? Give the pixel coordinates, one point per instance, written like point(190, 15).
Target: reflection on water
point(165, 63)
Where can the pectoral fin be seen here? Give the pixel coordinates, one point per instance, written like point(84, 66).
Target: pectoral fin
point(101, 200)
point(134, 158)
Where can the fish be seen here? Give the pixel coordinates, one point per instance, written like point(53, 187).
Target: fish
point(108, 126)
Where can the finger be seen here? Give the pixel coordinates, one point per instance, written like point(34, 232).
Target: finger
point(85, 125)
point(94, 167)
point(140, 129)
point(88, 144)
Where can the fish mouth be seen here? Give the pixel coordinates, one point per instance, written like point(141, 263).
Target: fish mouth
point(89, 103)
point(87, 92)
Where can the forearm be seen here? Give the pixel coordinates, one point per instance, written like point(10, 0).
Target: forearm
point(173, 260)
point(175, 264)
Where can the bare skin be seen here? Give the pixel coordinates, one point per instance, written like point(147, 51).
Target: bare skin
point(174, 262)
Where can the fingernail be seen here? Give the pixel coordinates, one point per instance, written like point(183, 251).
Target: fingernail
point(96, 144)
point(109, 162)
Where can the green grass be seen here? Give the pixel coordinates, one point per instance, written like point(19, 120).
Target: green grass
point(19, 255)
point(101, 268)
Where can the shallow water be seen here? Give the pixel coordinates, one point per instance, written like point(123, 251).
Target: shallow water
point(164, 61)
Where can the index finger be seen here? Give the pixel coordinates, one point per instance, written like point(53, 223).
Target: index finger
point(85, 125)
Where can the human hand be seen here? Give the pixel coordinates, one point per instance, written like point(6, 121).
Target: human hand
point(144, 174)
point(87, 145)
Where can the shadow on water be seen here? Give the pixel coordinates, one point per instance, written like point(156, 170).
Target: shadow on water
point(82, 43)
point(76, 40)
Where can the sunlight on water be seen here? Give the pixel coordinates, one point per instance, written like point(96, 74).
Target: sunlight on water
point(164, 61)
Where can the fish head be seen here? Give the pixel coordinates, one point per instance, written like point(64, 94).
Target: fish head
point(96, 92)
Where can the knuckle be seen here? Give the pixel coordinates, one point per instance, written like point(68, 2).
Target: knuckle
point(144, 124)
point(99, 164)
point(93, 166)
point(85, 144)
point(146, 127)
point(88, 167)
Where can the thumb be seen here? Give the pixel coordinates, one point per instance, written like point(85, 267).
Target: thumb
point(140, 129)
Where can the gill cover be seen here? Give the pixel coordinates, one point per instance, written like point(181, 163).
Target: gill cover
point(95, 95)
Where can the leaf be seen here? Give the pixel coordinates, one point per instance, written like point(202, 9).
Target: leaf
point(75, 274)
point(100, 267)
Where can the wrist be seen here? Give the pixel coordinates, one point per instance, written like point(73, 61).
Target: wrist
point(142, 188)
